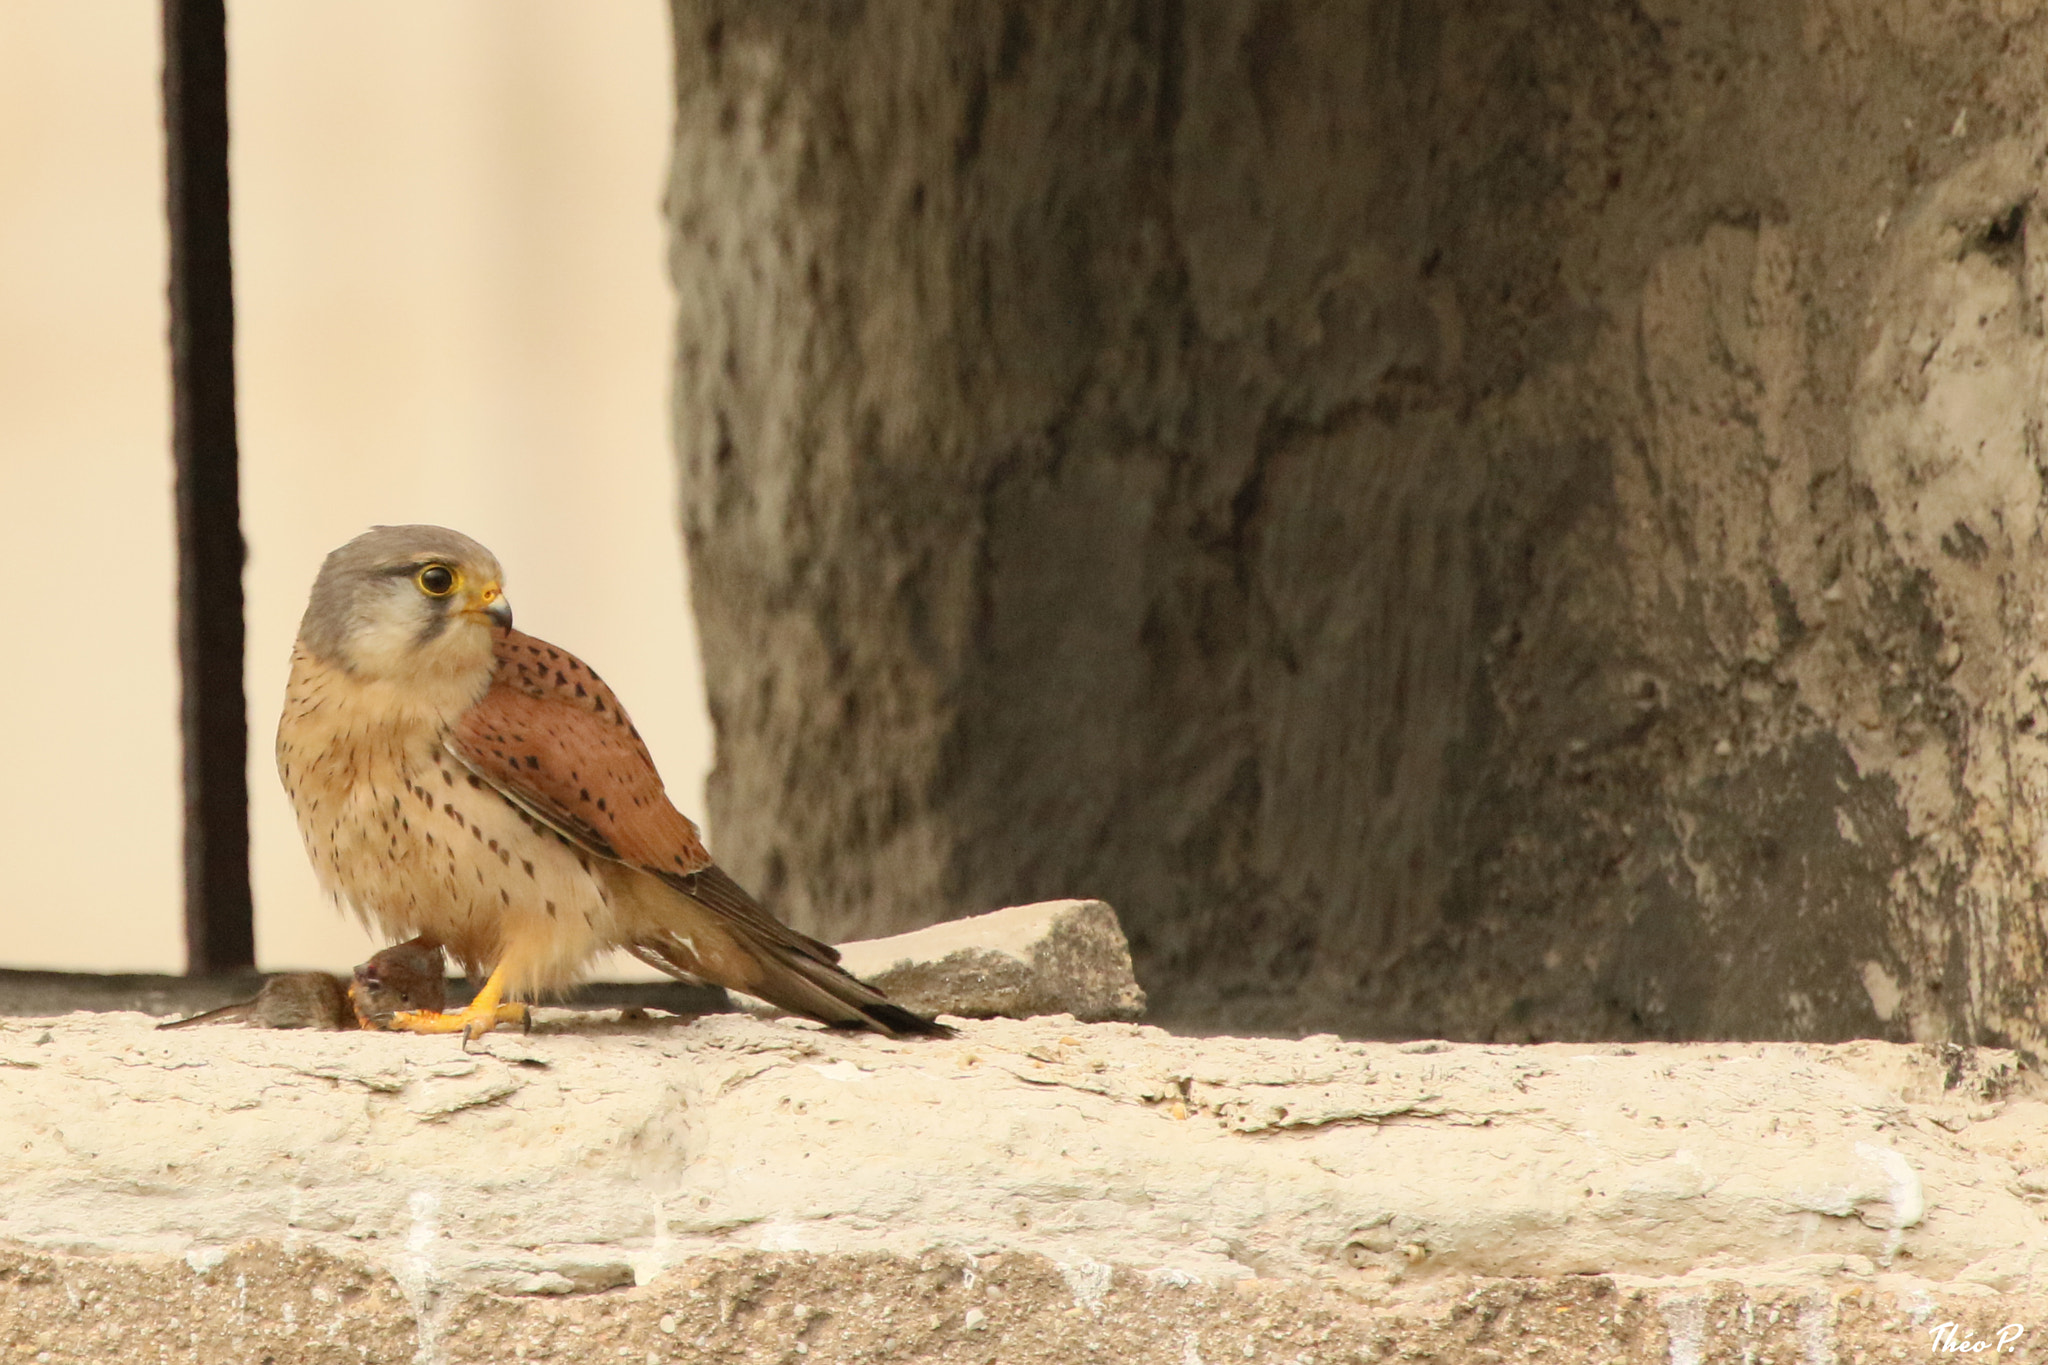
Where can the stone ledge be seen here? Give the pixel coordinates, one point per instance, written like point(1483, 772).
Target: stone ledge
point(1372, 1187)
point(38, 994)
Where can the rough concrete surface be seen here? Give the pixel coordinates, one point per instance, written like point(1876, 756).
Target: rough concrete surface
point(1042, 1190)
point(1056, 957)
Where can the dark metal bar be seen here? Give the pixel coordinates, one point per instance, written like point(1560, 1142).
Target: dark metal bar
point(219, 923)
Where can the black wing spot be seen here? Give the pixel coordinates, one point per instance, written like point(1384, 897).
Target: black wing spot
point(532, 762)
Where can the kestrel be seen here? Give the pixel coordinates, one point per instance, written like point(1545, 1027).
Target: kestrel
point(459, 781)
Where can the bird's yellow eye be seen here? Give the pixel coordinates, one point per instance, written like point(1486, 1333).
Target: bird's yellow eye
point(436, 580)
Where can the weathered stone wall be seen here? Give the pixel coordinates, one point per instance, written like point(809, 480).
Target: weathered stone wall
point(1503, 520)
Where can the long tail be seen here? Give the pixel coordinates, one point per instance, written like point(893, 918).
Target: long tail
point(225, 1014)
point(800, 985)
point(705, 928)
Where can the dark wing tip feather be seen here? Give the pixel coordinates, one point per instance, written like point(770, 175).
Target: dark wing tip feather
point(903, 1022)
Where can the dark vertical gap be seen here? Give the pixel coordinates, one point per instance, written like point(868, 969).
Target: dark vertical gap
point(219, 925)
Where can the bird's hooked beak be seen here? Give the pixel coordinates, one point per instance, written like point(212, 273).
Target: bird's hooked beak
point(489, 600)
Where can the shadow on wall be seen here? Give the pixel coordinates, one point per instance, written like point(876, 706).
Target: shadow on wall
point(1557, 571)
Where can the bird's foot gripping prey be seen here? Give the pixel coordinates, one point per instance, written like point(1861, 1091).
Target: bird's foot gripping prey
point(405, 978)
point(404, 988)
point(474, 1020)
point(459, 782)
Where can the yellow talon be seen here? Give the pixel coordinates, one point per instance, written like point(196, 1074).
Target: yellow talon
point(471, 1022)
point(480, 1016)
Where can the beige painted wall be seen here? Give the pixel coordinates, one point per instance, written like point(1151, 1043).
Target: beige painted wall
point(453, 308)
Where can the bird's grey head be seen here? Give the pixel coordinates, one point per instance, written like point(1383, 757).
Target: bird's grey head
point(399, 600)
